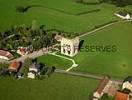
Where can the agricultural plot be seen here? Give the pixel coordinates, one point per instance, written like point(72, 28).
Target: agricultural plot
point(56, 87)
point(65, 15)
point(116, 64)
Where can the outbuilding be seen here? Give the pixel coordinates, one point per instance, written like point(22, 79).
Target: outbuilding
point(14, 66)
point(5, 55)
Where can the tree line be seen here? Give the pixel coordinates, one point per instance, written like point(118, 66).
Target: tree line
point(24, 36)
point(119, 3)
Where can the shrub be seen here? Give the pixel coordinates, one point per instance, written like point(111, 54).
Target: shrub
point(20, 9)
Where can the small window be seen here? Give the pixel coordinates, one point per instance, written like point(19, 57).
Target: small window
point(64, 51)
point(69, 52)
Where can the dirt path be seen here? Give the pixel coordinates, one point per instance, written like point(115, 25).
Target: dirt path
point(86, 75)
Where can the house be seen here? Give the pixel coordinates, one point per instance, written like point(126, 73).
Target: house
point(126, 16)
point(5, 55)
point(127, 83)
point(121, 96)
point(33, 67)
point(102, 88)
point(70, 47)
point(22, 51)
point(33, 71)
point(31, 75)
point(14, 66)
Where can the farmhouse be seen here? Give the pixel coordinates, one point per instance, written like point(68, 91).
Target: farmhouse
point(33, 70)
point(103, 88)
point(69, 47)
point(5, 55)
point(121, 96)
point(14, 66)
point(127, 83)
point(123, 15)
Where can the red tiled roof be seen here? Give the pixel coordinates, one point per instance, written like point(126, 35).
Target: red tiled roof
point(22, 50)
point(6, 54)
point(121, 96)
point(102, 85)
point(14, 65)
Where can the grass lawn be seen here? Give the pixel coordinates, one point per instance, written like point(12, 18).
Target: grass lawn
point(58, 14)
point(51, 60)
point(91, 1)
point(57, 87)
point(117, 64)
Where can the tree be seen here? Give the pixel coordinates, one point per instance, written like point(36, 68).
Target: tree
point(0, 36)
point(37, 44)
point(120, 3)
point(20, 9)
point(53, 69)
point(27, 62)
point(105, 97)
point(46, 41)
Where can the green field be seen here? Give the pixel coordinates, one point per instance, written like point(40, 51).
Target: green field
point(69, 16)
point(117, 64)
point(59, 14)
point(56, 87)
point(51, 60)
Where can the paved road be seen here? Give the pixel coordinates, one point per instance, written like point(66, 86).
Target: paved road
point(35, 54)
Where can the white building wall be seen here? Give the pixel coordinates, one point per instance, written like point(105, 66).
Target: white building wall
point(3, 57)
point(127, 85)
point(31, 75)
point(97, 95)
point(33, 69)
point(123, 17)
point(70, 46)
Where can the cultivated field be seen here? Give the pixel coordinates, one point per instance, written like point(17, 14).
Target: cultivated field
point(56, 87)
point(66, 15)
point(117, 64)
